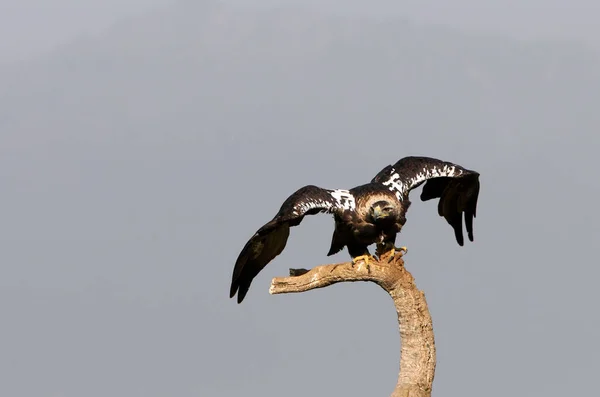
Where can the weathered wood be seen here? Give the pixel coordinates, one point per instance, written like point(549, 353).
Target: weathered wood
point(417, 352)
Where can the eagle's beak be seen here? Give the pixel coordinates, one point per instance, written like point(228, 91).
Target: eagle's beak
point(378, 213)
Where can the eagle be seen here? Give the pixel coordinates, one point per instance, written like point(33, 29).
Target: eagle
point(373, 213)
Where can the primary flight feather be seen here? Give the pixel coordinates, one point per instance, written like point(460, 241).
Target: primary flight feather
point(373, 213)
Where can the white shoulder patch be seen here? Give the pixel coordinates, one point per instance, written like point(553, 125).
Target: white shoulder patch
point(344, 199)
point(395, 185)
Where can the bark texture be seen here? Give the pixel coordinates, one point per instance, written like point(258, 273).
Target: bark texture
point(417, 352)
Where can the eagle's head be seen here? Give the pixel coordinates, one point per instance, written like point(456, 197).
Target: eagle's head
point(383, 210)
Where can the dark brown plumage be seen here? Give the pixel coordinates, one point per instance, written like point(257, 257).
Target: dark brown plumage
point(373, 213)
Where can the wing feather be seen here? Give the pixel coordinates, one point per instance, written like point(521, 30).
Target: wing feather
point(455, 186)
point(270, 240)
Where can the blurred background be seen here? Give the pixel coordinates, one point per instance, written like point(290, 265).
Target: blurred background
point(143, 143)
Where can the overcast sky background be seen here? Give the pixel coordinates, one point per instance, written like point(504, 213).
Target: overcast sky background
point(141, 145)
point(29, 27)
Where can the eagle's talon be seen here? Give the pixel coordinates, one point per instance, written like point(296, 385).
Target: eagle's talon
point(395, 250)
point(364, 258)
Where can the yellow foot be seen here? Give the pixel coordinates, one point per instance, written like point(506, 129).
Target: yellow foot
point(365, 258)
point(397, 251)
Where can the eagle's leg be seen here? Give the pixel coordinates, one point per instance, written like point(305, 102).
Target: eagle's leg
point(389, 248)
point(366, 258)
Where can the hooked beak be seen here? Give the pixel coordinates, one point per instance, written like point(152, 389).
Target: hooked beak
point(378, 213)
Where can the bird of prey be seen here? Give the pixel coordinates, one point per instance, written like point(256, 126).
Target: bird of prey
point(373, 213)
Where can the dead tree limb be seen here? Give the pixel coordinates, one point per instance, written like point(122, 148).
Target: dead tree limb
point(417, 353)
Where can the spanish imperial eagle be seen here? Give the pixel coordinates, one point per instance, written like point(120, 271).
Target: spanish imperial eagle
point(367, 214)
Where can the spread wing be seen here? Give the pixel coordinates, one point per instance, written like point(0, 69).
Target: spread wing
point(270, 240)
point(455, 186)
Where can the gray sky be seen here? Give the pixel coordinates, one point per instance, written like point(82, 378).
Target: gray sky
point(29, 27)
point(40, 26)
point(134, 166)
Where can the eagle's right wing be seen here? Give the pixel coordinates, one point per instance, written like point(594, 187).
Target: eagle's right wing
point(455, 186)
point(270, 240)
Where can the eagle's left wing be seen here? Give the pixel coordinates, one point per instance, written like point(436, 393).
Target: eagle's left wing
point(455, 186)
point(270, 240)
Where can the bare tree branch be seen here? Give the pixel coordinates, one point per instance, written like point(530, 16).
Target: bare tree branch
point(417, 353)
